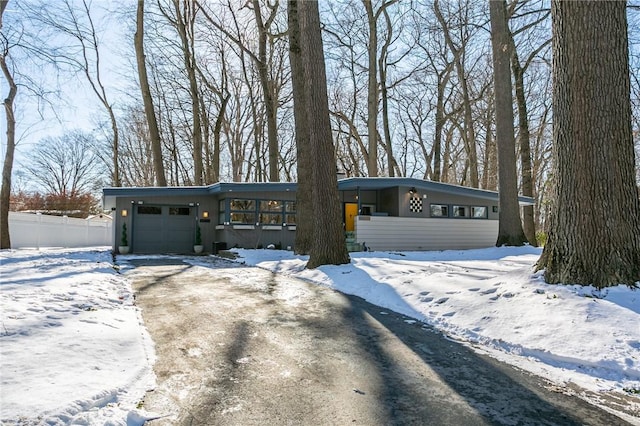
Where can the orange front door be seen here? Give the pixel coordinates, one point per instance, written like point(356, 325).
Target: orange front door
point(350, 212)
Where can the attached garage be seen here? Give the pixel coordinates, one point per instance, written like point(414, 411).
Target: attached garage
point(163, 228)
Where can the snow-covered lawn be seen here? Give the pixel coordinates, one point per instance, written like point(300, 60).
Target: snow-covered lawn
point(492, 300)
point(73, 347)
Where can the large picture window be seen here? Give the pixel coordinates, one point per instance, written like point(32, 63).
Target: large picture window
point(250, 211)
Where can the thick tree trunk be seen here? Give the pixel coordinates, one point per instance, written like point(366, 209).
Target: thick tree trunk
point(5, 190)
point(149, 111)
point(594, 235)
point(510, 228)
point(328, 234)
point(304, 206)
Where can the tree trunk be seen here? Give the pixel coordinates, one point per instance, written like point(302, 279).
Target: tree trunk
point(594, 235)
point(510, 228)
point(152, 123)
point(328, 234)
point(382, 69)
point(524, 142)
point(468, 133)
point(269, 101)
point(184, 25)
point(372, 91)
point(304, 206)
point(5, 190)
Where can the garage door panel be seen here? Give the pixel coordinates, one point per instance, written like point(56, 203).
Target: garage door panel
point(164, 229)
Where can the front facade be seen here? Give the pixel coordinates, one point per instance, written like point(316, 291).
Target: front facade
point(379, 213)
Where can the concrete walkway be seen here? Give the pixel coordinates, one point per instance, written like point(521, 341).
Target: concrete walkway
point(242, 346)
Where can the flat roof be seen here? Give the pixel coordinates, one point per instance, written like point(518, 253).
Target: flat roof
point(347, 184)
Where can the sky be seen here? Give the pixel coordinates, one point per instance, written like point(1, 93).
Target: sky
point(73, 347)
point(71, 101)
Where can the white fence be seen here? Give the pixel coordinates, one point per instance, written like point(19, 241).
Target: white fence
point(39, 230)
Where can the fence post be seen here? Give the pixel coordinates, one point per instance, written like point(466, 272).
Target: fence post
point(39, 230)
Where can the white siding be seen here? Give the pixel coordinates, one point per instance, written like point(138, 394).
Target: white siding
point(402, 233)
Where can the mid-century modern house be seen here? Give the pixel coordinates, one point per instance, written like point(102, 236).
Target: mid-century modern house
point(380, 213)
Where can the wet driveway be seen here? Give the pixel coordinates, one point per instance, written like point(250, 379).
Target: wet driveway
point(238, 345)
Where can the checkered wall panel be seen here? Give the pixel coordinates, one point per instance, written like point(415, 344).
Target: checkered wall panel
point(415, 205)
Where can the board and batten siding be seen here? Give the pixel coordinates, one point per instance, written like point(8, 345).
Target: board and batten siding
point(402, 233)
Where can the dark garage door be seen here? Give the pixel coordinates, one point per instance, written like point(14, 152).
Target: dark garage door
point(163, 229)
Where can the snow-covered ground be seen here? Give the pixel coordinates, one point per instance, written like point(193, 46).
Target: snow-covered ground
point(492, 300)
point(73, 347)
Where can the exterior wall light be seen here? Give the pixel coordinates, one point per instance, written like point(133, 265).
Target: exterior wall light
point(412, 190)
point(205, 215)
point(124, 213)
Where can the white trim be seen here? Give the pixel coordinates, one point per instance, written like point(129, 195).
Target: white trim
point(244, 227)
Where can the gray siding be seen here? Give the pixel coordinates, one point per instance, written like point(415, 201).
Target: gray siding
point(399, 233)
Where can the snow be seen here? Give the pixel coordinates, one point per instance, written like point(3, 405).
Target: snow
point(492, 300)
point(73, 348)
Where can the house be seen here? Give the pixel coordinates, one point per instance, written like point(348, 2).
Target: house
point(382, 213)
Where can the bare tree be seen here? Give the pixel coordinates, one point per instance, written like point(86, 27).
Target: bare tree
point(468, 133)
point(65, 166)
point(5, 191)
point(147, 99)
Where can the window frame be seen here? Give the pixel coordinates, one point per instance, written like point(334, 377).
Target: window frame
point(446, 206)
point(455, 208)
point(484, 216)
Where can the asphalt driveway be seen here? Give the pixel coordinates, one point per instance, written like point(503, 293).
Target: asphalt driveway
point(238, 345)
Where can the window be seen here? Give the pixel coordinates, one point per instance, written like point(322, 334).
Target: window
point(479, 212)
point(460, 211)
point(179, 211)
point(439, 210)
point(149, 210)
point(271, 212)
point(243, 211)
point(271, 206)
point(290, 212)
point(245, 205)
point(250, 211)
point(222, 208)
point(270, 219)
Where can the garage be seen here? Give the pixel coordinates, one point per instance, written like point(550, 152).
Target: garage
point(163, 228)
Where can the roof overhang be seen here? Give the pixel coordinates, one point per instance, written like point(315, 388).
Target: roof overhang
point(379, 183)
point(109, 195)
